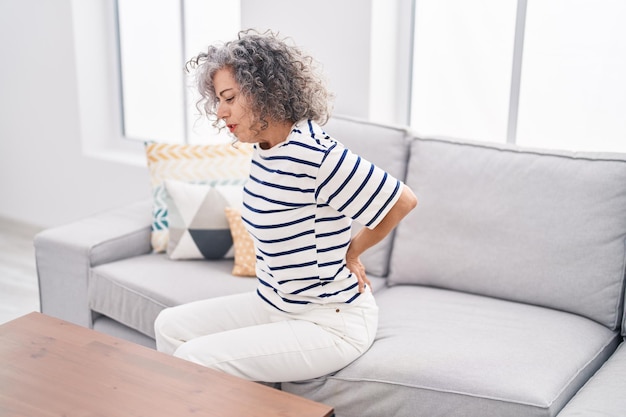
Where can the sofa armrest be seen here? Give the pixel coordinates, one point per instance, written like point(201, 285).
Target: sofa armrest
point(65, 255)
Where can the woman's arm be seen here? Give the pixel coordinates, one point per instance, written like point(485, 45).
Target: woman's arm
point(366, 238)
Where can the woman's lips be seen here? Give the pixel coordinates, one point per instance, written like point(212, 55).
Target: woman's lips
point(231, 128)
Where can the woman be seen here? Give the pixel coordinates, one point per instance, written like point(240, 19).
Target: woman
point(313, 312)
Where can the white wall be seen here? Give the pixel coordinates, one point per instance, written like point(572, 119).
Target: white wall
point(44, 177)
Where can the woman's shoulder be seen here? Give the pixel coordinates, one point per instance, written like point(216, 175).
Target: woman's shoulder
point(310, 134)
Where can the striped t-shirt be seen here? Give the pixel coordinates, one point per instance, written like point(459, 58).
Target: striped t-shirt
point(299, 203)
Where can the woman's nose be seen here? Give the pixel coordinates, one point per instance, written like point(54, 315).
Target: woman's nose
point(221, 111)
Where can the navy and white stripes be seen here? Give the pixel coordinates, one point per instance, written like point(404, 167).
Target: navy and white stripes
point(299, 202)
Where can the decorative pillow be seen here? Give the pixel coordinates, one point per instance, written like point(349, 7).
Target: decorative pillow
point(197, 223)
point(245, 256)
point(216, 164)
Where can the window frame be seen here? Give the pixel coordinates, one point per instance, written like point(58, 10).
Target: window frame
point(98, 84)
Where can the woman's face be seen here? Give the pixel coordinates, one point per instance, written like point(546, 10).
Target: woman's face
point(233, 108)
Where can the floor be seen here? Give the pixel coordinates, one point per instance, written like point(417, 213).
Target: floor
point(19, 292)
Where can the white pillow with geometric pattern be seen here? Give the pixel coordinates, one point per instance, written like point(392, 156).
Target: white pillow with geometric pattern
point(198, 227)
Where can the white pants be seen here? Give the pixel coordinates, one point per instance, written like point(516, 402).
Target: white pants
point(244, 336)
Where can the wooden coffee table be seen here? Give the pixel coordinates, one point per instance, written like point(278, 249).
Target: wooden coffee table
point(49, 367)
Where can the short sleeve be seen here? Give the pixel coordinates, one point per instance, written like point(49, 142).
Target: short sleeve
point(355, 187)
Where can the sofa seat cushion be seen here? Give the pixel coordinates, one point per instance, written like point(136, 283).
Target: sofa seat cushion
point(604, 395)
point(133, 291)
point(446, 353)
point(540, 227)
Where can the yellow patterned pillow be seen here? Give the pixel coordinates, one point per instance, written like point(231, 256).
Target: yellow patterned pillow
point(217, 164)
point(245, 256)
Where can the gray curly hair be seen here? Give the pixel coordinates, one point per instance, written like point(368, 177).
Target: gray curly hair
point(279, 81)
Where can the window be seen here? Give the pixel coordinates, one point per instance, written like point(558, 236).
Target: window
point(540, 73)
point(390, 61)
point(462, 68)
point(151, 61)
point(156, 38)
point(543, 73)
point(573, 86)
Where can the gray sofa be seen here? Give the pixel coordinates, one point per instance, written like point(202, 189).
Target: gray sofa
point(501, 295)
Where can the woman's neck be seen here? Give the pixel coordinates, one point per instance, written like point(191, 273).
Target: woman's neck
point(275, 133)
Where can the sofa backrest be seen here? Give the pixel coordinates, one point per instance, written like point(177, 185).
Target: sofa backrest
point(540, 227)
point(384, 146)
